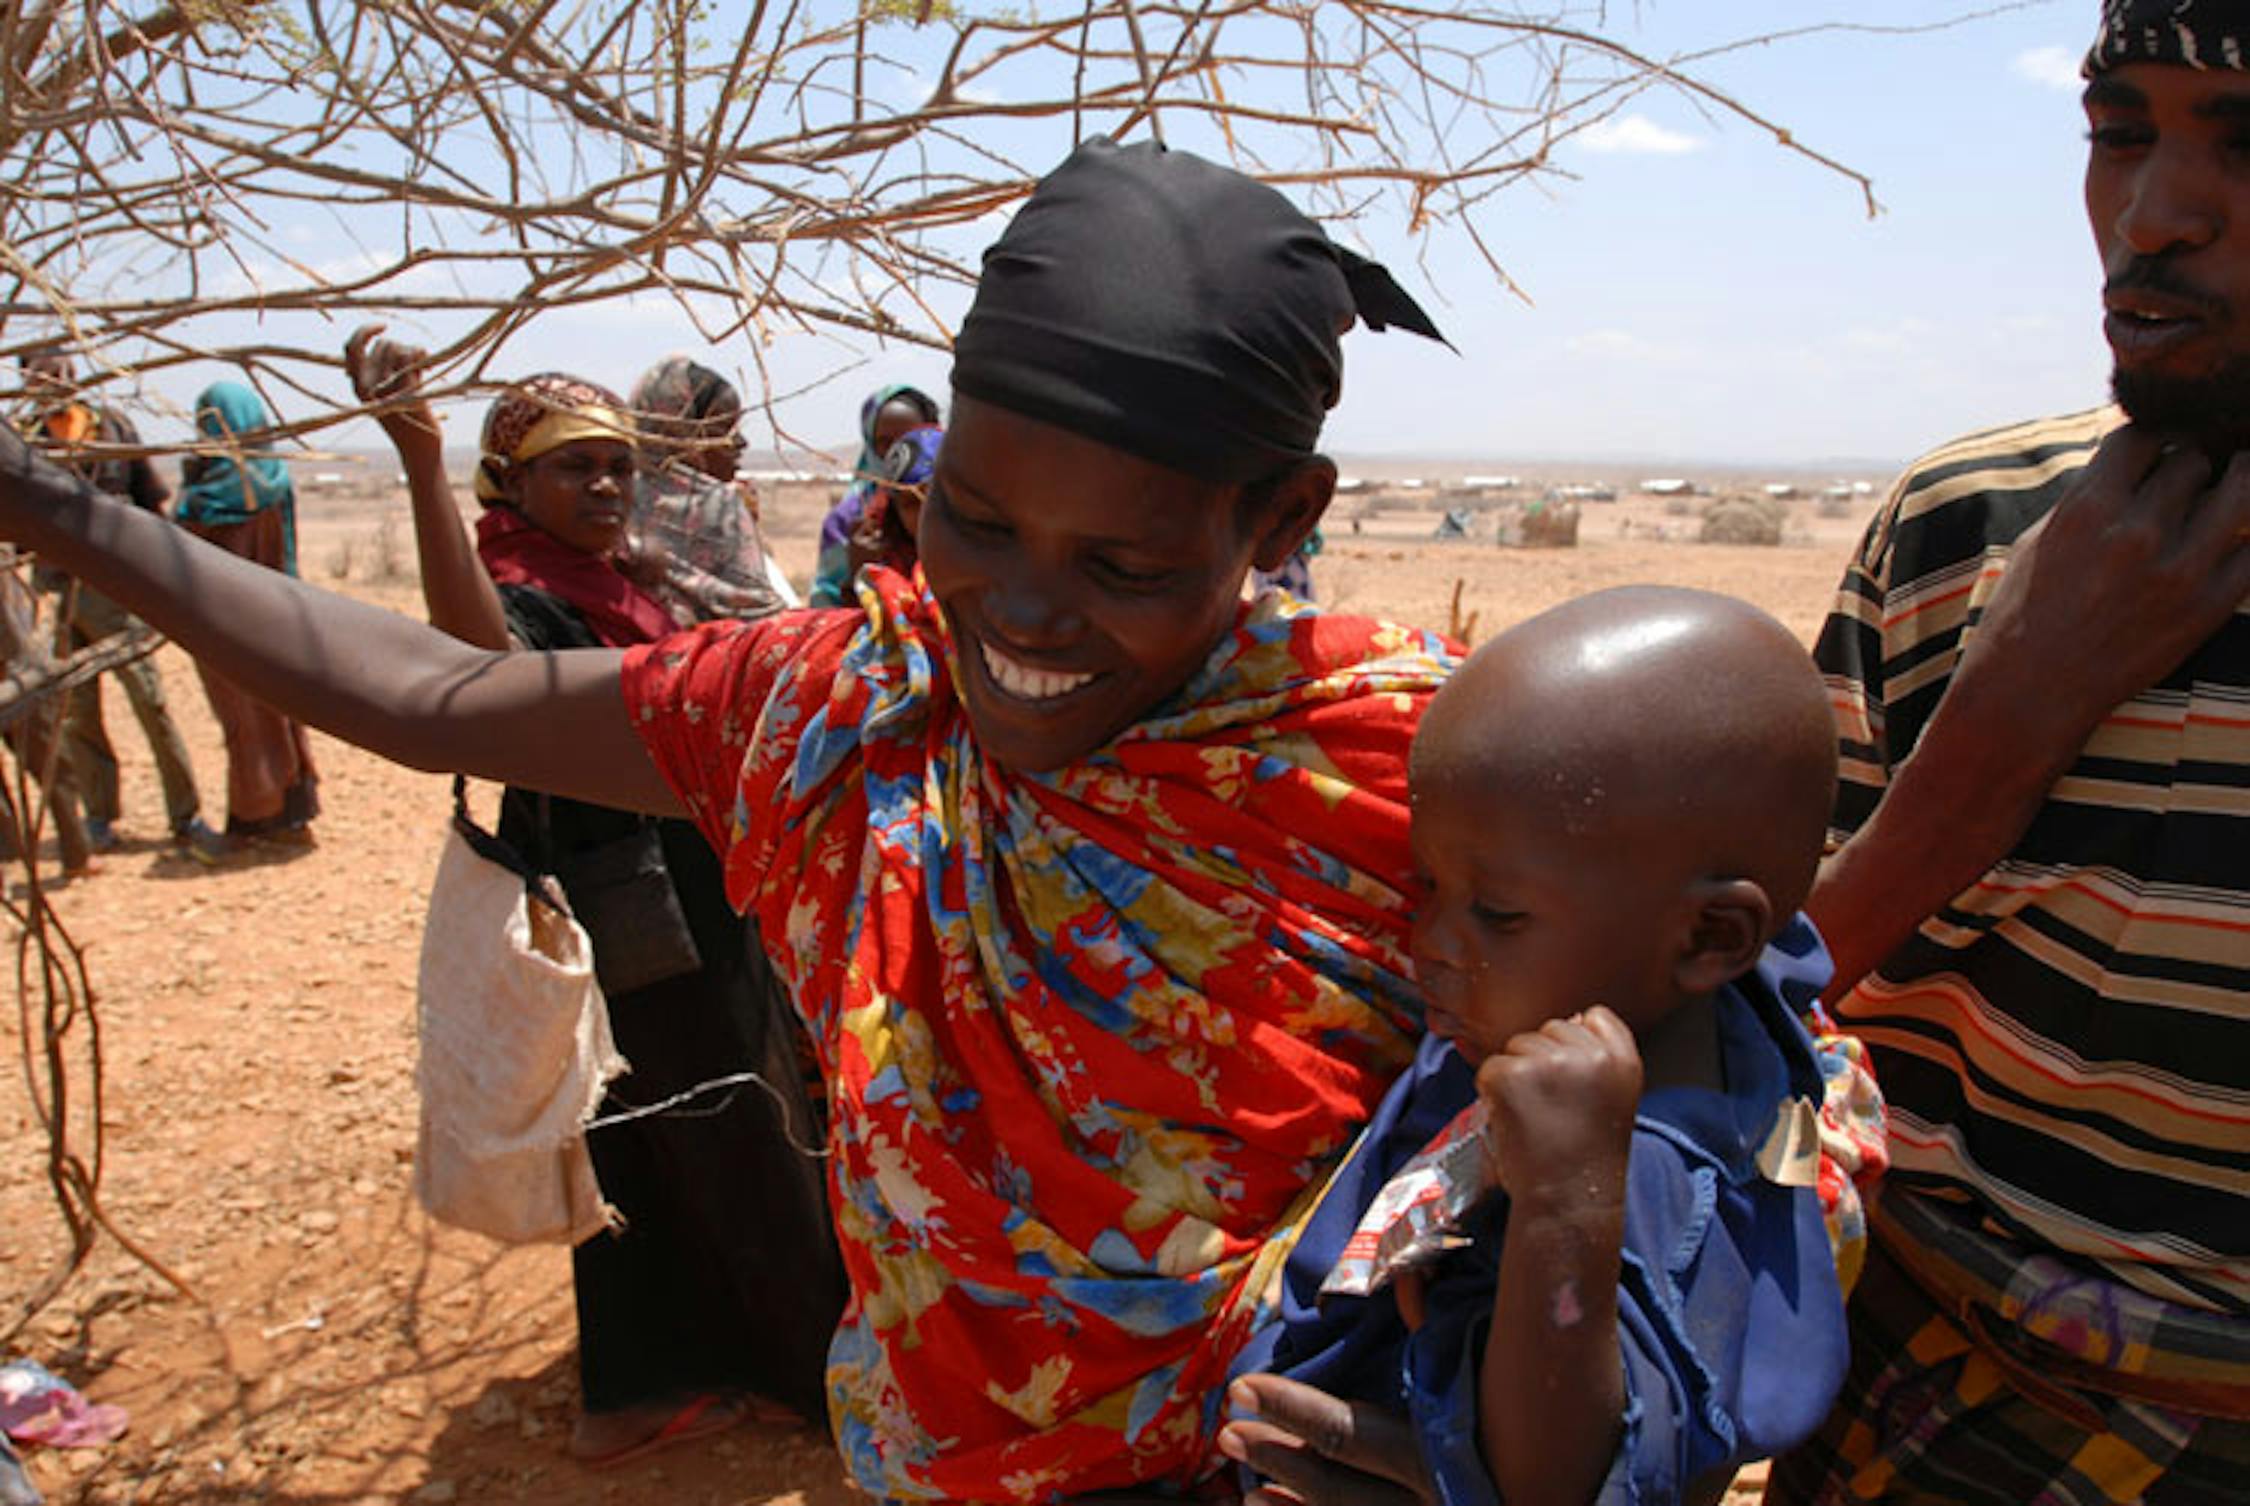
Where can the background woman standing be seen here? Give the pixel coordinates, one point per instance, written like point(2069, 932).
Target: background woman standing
point(724, 1284)
point(240, 498)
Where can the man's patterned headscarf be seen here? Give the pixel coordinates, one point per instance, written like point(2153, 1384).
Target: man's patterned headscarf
point(2184, 33)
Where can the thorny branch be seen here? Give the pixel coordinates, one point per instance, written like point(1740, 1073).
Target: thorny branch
point(168, 171)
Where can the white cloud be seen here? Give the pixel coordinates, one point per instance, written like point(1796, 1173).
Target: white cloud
point(1622, 346)
point(909, 89)
point(904, 88)
point(1898, 338)
point(267, 275)
point(1639, 135)
point(2050, 68)
point(1606, 342)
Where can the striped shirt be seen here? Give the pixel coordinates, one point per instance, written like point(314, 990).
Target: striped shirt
point(2066, 1044)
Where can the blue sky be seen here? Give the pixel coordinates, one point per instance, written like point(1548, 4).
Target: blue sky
point(1696, 292)
point(1700, 294)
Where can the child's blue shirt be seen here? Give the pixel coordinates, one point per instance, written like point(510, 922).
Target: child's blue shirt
point(1730, 1319)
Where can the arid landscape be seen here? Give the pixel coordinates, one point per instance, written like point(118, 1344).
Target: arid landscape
point(257, 1024)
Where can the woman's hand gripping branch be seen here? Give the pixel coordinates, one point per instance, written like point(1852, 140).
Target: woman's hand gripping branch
point(456, 591)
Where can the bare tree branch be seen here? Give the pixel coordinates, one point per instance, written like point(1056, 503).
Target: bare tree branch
point(171, 166)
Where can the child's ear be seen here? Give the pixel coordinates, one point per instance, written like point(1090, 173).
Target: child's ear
point(1728, 922)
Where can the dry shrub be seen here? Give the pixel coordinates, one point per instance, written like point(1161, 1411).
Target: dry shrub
point(1462, 630)
point(1743, 520)
point(386, 553)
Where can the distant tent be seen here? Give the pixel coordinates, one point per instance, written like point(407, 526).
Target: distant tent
point(1455, 524)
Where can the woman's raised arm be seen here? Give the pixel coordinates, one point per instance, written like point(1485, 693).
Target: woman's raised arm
point(456, 592)
point(553, 722)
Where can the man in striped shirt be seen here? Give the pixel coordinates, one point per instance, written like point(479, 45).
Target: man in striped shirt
point(2041, 880)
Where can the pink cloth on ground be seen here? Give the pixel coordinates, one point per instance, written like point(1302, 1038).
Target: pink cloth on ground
point(37, 1406)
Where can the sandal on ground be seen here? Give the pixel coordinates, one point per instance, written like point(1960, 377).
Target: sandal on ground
point(700, 1416)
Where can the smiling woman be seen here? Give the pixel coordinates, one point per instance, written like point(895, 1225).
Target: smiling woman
point(1074, 609)
point(1087, 879)
point(1091, 878)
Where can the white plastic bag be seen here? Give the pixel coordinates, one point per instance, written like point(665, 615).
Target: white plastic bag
point(515, 1052)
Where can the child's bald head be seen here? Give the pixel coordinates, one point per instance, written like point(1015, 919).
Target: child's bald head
point(1639, 745)
point(1652, 713)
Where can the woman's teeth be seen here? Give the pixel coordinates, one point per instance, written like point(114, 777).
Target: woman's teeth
point(1024, 682)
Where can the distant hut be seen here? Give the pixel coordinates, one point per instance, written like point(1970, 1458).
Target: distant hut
point(1543, 523)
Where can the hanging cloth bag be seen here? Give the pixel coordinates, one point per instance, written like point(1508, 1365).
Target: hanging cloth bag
point(515, 1049)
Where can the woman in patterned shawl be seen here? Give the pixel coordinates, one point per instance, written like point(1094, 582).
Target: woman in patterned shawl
point(1089, 880)
point(693, 537)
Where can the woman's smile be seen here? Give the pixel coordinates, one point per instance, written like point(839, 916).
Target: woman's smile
point(1025, 683)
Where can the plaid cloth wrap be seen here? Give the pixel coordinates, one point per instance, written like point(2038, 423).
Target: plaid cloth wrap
point(1982, 1374)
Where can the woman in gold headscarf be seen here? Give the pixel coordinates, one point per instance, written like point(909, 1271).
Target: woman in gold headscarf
point(725, 1284)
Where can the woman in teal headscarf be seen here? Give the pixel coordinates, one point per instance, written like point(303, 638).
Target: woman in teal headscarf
point(886, 417)
point(237, 494)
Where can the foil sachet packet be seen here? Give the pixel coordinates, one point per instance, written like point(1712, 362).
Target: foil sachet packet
point(1418, 1215)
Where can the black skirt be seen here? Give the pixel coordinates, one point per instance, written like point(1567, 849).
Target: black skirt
point(726, 1276)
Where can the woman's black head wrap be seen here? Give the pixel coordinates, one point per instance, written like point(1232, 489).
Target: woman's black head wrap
point(1172, 308)
point(2184, 33)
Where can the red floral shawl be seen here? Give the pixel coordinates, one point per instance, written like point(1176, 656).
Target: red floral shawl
point(1089, 1034)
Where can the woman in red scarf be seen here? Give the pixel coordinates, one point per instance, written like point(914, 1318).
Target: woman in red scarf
point(724, 1282)
point(1089, 880)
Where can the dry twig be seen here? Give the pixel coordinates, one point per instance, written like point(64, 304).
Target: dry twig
point(58, 1027)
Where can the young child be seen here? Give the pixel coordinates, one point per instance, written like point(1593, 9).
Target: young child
point(1618, 807)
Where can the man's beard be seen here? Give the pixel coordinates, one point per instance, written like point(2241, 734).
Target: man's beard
point(2211, 412)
